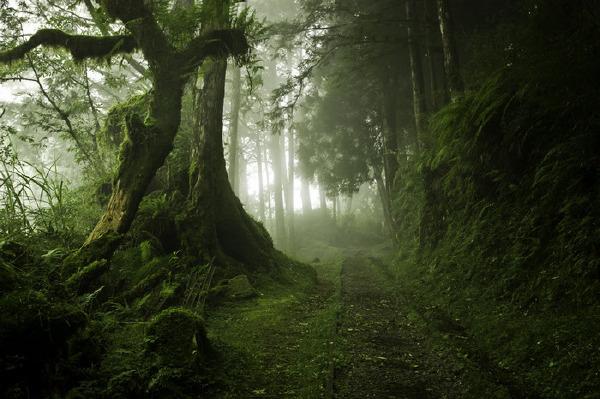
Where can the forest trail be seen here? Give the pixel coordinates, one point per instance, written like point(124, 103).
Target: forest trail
point(390, 351)
point(354, 334)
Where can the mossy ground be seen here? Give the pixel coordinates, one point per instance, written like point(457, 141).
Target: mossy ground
point(545, 353)
point(280, 344)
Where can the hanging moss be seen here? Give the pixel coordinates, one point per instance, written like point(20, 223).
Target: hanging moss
point(112, 133)
point(80, 46)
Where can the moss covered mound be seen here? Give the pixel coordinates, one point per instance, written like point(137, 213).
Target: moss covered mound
point(177, 337)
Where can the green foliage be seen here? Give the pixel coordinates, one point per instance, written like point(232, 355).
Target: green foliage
point(507, 207)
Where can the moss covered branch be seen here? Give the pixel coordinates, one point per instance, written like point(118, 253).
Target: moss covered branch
point(80, 46)
point(217, 43)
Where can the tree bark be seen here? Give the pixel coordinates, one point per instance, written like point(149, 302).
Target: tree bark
point(216, 224)
point(143, 152)
point(261, 192)
point(305, 194)
point(323, 200)
point(390, 136)
point(234, 129)
point(451, 62)
point(385, 204)
point(290, 190)
point(416, 72)
point(280, 236)
point(242, 178)
point(436, 91)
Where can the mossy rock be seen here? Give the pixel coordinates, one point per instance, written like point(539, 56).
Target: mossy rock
point(177, 337)
point(239, 288)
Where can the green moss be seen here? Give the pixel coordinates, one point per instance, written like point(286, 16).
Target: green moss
point(177, 337)
point(112, 133)
point(80, 46)
point(88, 278)
point(98, 249)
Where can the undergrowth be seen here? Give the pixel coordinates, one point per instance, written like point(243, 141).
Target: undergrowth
point(505, 206)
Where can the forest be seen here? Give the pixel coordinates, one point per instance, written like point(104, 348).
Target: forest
point(299, 199)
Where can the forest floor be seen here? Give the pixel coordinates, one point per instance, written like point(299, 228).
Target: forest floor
point(354, 334)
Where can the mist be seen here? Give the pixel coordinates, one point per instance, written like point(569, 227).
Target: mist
point(299, 199)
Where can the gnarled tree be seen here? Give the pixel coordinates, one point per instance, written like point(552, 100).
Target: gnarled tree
point(147, 142)
point(216, 224)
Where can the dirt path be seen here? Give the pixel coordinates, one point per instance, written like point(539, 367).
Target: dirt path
point(387, 350)
point(354, 334)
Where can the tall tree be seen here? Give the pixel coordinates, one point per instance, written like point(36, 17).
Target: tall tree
point(416, 70)
point(277, 167)
point(148, 140)
point(305, 196)
point(261, 185)
point(290, 189)
point(451, 62)
point(234, 139)
point(216, 224)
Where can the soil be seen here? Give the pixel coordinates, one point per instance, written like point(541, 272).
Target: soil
point(391, 351)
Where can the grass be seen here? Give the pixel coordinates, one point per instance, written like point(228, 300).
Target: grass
point(281, 344)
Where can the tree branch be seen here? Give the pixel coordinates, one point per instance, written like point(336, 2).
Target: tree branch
point(217, 43)
point(80, 46)
point(104, 28)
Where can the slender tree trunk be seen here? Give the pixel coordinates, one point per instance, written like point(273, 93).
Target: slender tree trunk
point(390, 136)
point(334, 209)
point(385, 204)
point(323, 200)
point(416, 71)
point(243, 178)
point(349, 204)
point(280, 236)
point(436, 94)
point(261, 192)
point(269, 188)
point(305, 194)
point(290, 201)
point(234, 129)
point(451, 62)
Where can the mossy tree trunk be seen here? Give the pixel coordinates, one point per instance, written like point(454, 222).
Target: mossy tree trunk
point(142, 153)
point(216, 224)
point(147, 142)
